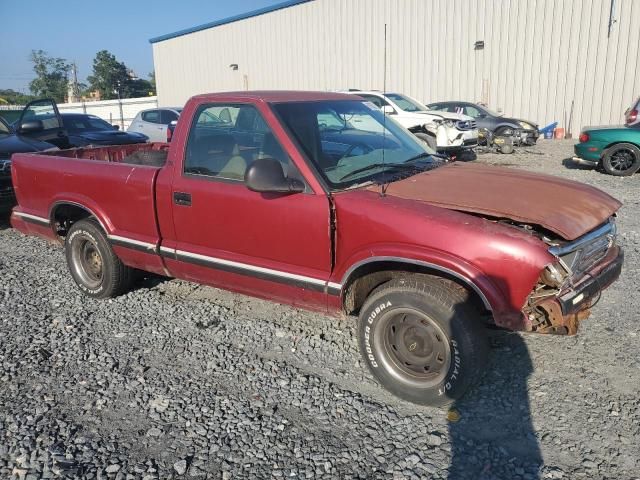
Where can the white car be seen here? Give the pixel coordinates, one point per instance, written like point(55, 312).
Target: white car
point(446, 131)
point(154, 122)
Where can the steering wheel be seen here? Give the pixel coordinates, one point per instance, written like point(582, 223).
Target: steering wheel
point(364, 146)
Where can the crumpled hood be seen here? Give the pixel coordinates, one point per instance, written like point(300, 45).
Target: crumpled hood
point(569, 209)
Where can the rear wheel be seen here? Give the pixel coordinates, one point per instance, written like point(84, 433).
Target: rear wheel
point(621, 159)
point(422, 340)
point(93, 265)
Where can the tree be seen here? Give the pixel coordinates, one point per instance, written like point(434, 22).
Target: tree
point(12, 97)
point(109, 76)
point(51, 76)
point(139, 88)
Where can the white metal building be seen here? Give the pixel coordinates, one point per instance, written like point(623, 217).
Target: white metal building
point(539, 56)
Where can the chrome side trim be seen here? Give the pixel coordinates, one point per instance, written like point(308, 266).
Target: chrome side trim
point(433, 266)
point(251, 270)
point(32, 218)
point(606, 229)
point(130, 242)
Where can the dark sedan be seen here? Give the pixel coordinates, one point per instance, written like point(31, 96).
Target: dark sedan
point(522, 131)
point(85, 130)
point(10, 143)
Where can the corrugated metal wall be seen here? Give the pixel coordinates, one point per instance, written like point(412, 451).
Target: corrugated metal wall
point(539, 55)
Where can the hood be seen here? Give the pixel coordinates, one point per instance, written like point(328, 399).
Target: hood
point(12, 143)
point(449, 115)
point(569, 209)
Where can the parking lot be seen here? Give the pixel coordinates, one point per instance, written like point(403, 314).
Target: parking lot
point(176, 379)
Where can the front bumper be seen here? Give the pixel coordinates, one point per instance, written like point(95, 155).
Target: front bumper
point(7, 195)
point(527, 137)
point(572, 305)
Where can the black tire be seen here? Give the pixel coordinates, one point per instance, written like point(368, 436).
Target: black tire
point(93, 265)
point(422, 339)
point(621, 160)
point(430, 140)
point(153, 158)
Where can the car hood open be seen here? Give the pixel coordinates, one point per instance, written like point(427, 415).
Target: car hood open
point(569, 209)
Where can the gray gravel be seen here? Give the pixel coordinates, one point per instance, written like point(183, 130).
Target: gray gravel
point(176, 380)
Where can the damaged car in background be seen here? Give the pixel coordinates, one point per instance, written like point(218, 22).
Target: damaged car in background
point(447, 133)
point(494, 127)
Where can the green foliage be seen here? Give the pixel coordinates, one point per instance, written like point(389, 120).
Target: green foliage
point(111, 76)
point(51, 76)
point(11, 97)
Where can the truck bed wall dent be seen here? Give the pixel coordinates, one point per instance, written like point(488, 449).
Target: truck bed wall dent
point(121, 196)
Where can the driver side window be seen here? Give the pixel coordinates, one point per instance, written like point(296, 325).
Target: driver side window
point(225, 139)
point(43, 111)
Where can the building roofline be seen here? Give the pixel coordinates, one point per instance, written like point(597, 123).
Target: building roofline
point(224, 21)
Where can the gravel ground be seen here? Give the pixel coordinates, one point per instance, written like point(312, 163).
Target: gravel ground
point(176, 380)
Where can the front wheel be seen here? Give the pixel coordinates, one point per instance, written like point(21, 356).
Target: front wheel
point(422, 340)
point(93, 265)
point(621, 160)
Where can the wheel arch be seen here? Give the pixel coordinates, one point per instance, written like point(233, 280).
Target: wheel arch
point(64, 213)
point(364, 276)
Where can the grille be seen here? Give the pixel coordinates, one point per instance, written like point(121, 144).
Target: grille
point(585, 252)
point(5, 168)
point(466, 125)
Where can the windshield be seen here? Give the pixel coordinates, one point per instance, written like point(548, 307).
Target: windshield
point(351, 142)
point(405, 103)
point(85, 123)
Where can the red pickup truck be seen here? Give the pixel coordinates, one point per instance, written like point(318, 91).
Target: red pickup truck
point(280, 195)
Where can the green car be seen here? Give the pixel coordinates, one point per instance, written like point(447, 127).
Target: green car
point(615, 149)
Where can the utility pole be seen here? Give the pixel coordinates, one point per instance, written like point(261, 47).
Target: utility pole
point(120, 105)
point(73, 89)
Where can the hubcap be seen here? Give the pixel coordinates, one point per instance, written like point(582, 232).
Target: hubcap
point(87, 262)
point(415, 349)
point(622, 160)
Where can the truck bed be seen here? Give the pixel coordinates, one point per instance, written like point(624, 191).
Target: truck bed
point(116, 184)
point(136, 154)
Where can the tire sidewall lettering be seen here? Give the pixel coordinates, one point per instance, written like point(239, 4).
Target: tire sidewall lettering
point(375, 312)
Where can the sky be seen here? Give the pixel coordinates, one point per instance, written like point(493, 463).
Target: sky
point(77, 29)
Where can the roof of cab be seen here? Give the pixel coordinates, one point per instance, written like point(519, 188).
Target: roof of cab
point(279, 96)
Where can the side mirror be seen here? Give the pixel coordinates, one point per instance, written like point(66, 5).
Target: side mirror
point(482, 115)
point(266, 175)
point(388, 110)
point(173, 123)
point(31, 126)
point(116, 127)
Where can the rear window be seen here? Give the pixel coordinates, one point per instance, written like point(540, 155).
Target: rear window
point(152, 116)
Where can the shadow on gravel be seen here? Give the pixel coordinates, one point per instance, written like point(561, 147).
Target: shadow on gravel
point(569, 164)
point(4, 221)
point(494, 437)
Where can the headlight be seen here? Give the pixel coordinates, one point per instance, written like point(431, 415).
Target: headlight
point(554, 275)
point(526, 126)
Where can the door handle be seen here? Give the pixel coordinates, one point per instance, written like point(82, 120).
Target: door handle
point(182, 198)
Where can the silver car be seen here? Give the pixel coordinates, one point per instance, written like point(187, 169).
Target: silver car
point(154, 122)
point(632, 115)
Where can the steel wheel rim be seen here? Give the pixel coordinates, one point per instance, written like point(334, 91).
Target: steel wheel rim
point(622, 160)
point(87, 262)
point(415, 350)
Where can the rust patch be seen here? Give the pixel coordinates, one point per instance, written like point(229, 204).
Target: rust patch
point(560, 324)
point(568, 208)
